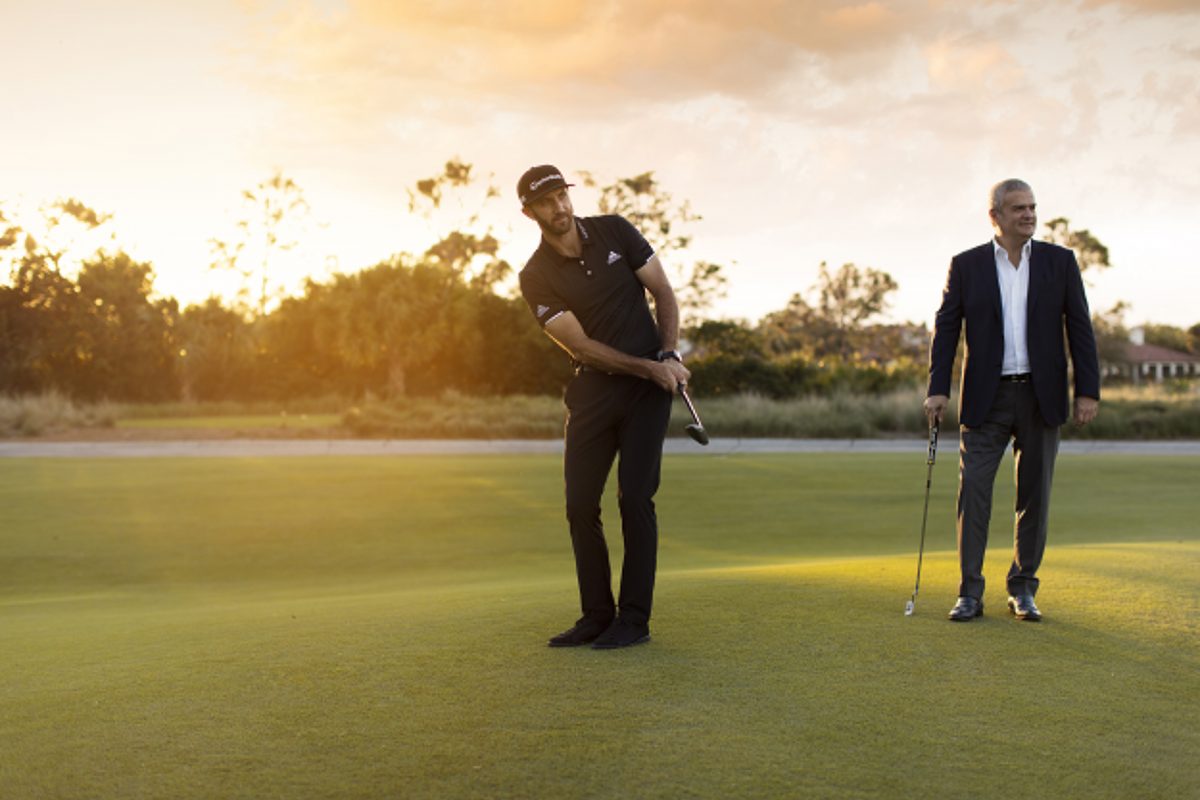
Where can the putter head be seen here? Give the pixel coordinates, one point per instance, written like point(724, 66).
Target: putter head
point(698, 433)
point(908, 608)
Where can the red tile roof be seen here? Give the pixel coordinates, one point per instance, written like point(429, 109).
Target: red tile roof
point(1146, 353)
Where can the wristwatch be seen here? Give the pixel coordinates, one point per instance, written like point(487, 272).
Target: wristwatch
point(665, 354)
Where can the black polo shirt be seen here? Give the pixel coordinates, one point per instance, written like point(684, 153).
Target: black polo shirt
point(599, 288)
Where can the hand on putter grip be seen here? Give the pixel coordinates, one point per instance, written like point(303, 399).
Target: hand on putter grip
point(663, 375)
point(935, 407)
point(1085, 410)
point(679, 372)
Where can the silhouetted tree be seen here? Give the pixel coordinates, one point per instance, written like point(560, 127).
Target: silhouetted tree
point(1112, 336)
point(128, 338)
point(217, 353)
point(49, 328)
point(653, 211)
point(834, 322)
point(1169, 336)
point(274, 217)
point(1090, 252)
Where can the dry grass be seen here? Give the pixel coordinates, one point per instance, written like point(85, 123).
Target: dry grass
point(1148, 412)
point(37, 415)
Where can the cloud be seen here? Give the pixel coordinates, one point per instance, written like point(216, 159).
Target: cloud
point(1177, 97)
point(968, 66)
point(1150, 6)
point(533, 57)
point(910, 94)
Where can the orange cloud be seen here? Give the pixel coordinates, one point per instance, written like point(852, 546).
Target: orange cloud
point(1166, 6)
point(963, 65)
point(574, 53)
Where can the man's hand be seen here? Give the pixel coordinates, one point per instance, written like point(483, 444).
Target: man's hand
point(935, 407)
point(669, 374)
point(1085, 410)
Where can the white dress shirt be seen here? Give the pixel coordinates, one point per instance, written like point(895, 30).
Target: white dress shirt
point(1014, 299)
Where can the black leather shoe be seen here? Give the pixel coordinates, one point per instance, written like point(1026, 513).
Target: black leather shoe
point(966, 609)
point(622, 634)
point(584, 631)
point(1023, 607)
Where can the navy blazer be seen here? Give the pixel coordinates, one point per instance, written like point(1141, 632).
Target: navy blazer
point(971, 301)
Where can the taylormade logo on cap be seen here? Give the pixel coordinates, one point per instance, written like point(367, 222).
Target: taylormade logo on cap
point(533, 187)
point(538, 181)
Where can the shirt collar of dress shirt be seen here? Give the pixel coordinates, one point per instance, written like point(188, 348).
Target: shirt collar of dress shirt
point(998, 248)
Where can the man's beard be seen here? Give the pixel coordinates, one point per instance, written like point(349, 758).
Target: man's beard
point(547, 227)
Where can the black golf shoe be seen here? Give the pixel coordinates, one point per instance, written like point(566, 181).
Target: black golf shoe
point(1023, 607)
point(622, 634)
point(966, 609)
point(583, 632)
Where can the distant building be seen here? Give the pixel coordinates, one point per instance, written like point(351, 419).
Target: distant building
point(1152, 363)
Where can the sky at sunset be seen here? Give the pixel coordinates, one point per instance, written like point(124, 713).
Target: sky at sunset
point(801, 131)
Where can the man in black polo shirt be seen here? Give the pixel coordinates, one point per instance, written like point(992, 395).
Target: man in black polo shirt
point(586, 285)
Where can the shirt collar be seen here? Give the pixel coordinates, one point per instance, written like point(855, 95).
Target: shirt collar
point(585, 240)
point(998, 248)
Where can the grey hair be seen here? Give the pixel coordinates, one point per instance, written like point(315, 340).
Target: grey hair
point(1004, 187)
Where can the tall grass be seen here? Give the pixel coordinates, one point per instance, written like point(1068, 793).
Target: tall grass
point(455, 416)
point(741, 416)
point(1126, 413)
point(331, 404)
point(1148, 412)
point(35, 415)
point(838, 416)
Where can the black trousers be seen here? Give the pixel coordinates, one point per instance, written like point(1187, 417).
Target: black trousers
point(1014, 417)
point(609, 415)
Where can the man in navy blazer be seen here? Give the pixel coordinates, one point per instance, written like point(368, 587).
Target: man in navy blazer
point(1014, 298)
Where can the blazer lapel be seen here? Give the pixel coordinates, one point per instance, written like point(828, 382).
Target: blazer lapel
point(1039, 273)
point(987, 267)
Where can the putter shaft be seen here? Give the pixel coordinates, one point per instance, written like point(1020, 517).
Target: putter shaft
point(688, 402)
point(696, 429)
point(933, 437)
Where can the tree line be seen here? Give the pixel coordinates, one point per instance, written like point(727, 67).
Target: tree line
point(447, 319)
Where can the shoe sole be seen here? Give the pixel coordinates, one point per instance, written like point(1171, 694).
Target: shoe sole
point(642, 640)
point(1023, 617)
point(571, 644)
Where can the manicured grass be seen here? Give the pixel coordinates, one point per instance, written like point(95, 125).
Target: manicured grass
point(341, 627)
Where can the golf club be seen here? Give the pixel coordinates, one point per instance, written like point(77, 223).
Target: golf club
point(933, 436)
point(696, 431)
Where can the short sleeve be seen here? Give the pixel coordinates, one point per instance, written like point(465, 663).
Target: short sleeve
point(542, 301)
point(637, 250)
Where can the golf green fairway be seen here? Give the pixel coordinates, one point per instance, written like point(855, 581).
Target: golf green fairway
point(375, 627)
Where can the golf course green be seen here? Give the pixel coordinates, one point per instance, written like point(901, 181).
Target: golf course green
point(338, 627)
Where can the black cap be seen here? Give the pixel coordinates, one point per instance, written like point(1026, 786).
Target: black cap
point(537, 181)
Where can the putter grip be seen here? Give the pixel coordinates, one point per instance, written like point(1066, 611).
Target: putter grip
point(933, 437)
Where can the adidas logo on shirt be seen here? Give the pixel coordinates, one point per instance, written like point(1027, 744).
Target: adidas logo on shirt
point(613, 257)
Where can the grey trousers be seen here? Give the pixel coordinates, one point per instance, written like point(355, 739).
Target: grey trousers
point(1014, 417)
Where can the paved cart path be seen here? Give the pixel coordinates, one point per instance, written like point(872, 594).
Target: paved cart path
point(261, 448)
